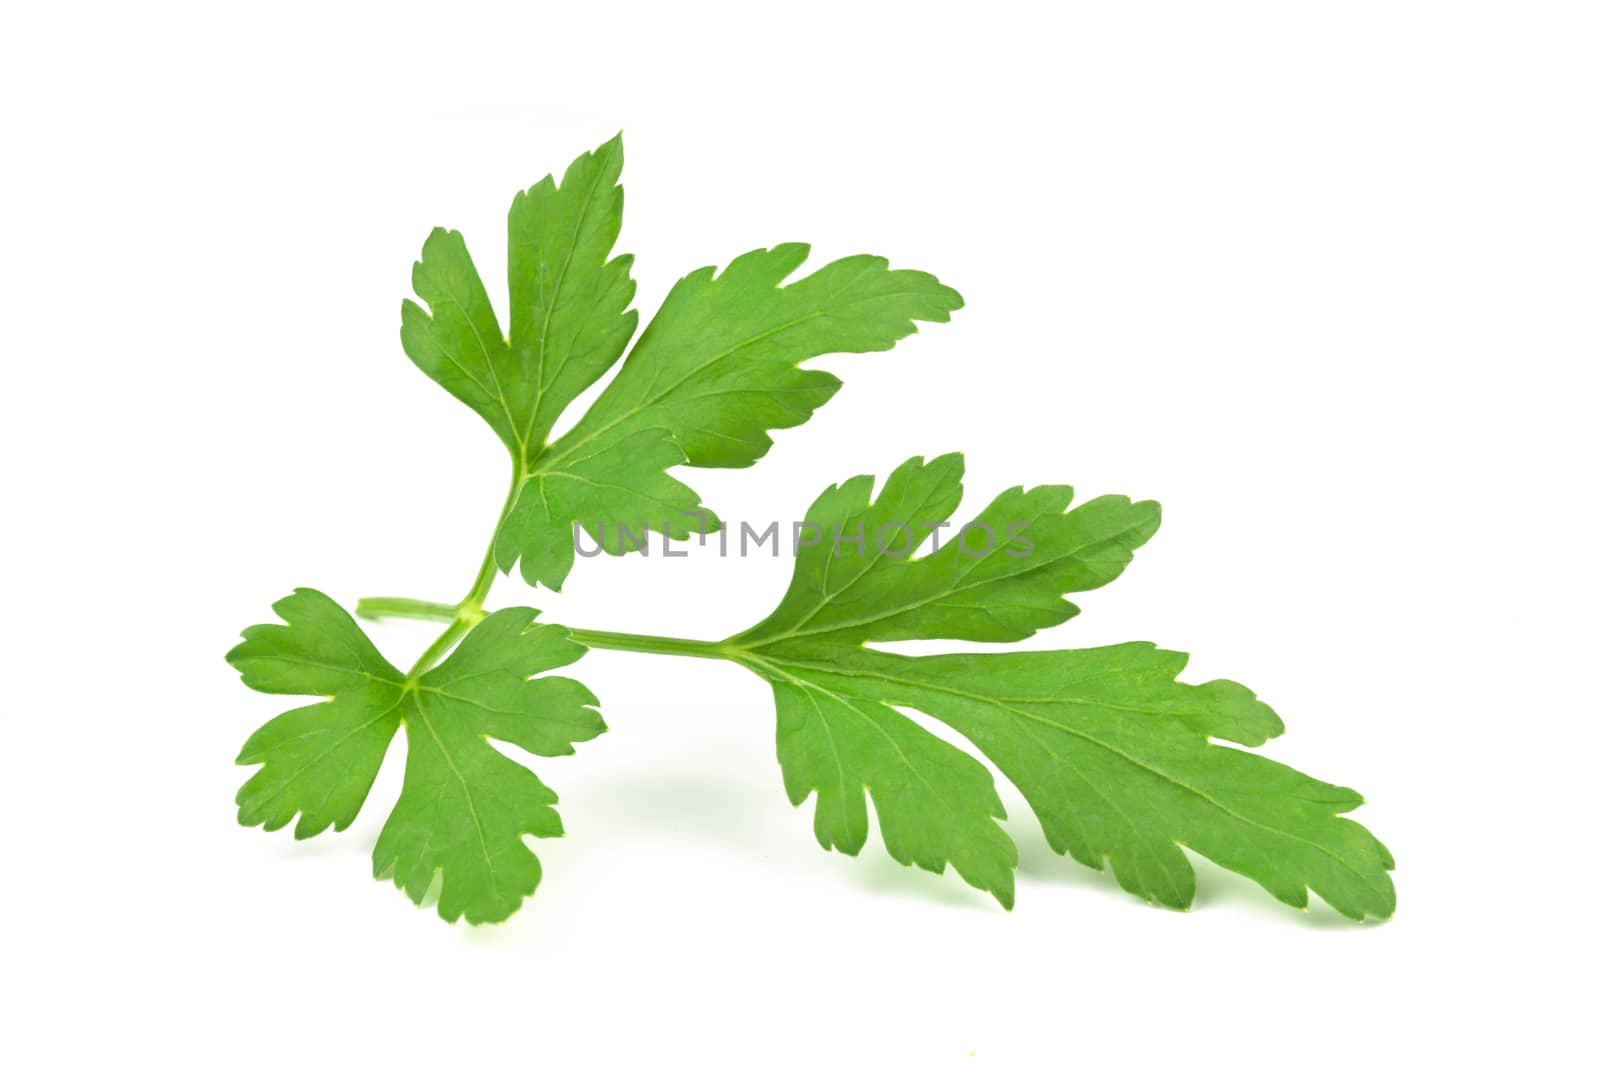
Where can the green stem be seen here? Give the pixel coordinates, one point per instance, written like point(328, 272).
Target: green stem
point(441, 645)
point(467, 614)
point(488, 571)
point(463, 616)
point(404, 608)
point(650, 643)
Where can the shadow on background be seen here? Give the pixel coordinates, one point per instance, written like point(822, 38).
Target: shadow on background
point(739, 818)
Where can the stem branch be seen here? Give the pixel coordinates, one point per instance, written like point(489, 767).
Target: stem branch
point(466, 614)
point(463, 616)
point(404, 608)
point(650, 643)
point(441, 645)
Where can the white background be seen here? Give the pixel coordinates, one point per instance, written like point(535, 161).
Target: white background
point(1320, 278)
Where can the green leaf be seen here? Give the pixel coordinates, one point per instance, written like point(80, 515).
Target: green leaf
point(570, 319)
point(1114, 755)
point(718, 366)
point(997, 578)
point(935, 804)
point(318, 761)
point(715, 371)
point(569, 305)
point(464, 806)
point(617, 497)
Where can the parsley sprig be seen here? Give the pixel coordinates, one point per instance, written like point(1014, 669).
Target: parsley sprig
point(1120, 761)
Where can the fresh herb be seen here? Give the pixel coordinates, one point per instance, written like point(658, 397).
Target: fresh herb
point(1116, 757)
